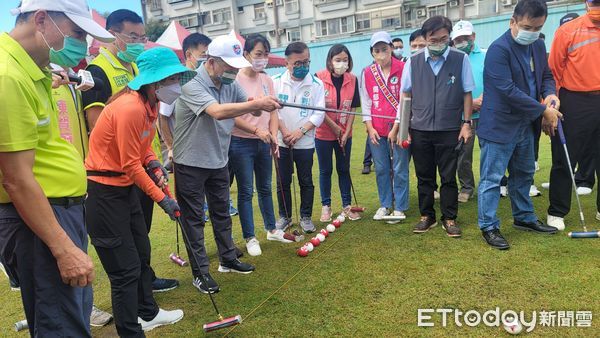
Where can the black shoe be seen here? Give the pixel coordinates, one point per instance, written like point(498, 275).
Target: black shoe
point(210, 284)
point(238, 252)
point(537, 226)
point(366, 170)
point(424, 225)
point(495, 240)
point(236, 266)
point(14, 285)
point(164, 284)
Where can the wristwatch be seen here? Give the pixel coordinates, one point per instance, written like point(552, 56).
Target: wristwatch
point(303, 130)
point(469, 122)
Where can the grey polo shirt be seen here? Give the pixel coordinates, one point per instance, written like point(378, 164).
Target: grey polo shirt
point(200, 140)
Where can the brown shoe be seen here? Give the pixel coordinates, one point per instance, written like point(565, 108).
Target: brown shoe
point(452, 230)
point(424, 225)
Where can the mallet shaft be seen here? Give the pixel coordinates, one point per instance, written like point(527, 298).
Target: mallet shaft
point(336, 111)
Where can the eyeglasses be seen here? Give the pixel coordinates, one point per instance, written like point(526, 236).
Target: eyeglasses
point(135, 38)
point(302, 63)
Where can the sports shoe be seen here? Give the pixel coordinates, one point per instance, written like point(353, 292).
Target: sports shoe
point(452, 230)
point(424, 225)
point(351, 215)
point(546, 185)
point(325, 214)
point(278, 236)
point(283, 223)
point(253, 247)
point(380, 213)
point(232, 210)
point(398, 214)
point(598, 215)
point(557, 222)
point(99, 318)
point(537, 166)
point(464, 197)
point(436, 195)
point(307, 225)
point(503, 191)
point(210, 285)
point(236, 266)
point(366, 170)
point(163, 317)
point(164, 284)
point(581, 191)
point(534, 192)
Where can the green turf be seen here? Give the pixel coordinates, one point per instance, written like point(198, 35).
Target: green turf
point(369, 278)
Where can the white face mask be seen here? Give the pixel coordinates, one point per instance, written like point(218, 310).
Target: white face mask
point(397, 52)
point(258, 65)
point(168, 94)
point(340, 67)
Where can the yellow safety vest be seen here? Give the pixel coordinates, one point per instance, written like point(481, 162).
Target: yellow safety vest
point(118, 77)
point(71, 121)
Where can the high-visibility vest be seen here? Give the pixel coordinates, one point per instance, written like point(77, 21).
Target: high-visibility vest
point(71, 121)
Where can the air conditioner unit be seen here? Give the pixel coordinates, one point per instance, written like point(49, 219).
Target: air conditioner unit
point(406, 9)
point(269, 3)
point(278, 2)
point(453, 3)
point(507, 3)
point(421, 12)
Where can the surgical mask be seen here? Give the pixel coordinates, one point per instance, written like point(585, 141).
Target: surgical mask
point(131, 53)
point(398, 52)
point(168, 94)
point(200, 60)
point(300, 72)
point(526, 37)
point(258, 65)
point(228, 77)
point(438, 50)
point(340, 67)
point(465, 46)
point(413, 51)
point(71, 54)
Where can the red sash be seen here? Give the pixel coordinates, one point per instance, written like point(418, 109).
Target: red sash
point(383, 86)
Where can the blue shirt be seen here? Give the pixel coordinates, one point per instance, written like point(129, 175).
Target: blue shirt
point(527, 58)
point(477, 59)
point(467, 74)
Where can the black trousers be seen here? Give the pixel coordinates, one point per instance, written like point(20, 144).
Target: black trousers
point(368, 158)
point(118, 231)
point(581, 126)
point(431, 151)
point(147, 205)
point(191, 185)
point(586, 168)
point(303, 159)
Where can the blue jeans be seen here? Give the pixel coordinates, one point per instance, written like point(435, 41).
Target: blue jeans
point(518, 157)
point(325, 150)
point(381, 157)
point(252, 158)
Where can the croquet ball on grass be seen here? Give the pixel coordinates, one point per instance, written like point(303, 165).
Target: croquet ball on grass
point(341, 218)
point(336, 223)
point(309, 246)
point(513, 326)
point(321, 237)
point(330, 227)
point(315, 242)
point(303, 251)
point(324, 232)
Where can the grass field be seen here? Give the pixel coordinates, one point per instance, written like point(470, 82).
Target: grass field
point(370, 278)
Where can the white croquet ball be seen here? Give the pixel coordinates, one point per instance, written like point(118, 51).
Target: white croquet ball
point(341, 218)
point(330, 227)
point(309, 246)
point(321, 237)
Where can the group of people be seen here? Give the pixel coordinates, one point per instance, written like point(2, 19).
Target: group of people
point(77, 161)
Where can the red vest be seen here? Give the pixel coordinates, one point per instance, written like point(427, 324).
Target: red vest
point(380, 104)
point(347, 94)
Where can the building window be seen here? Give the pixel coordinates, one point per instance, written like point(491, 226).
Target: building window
point(436, 10)
point(291, 6)
point(390, 22)
point(259, 11)
point(189, 21)
point(293, 34)
point(154, 5)
point(176, 1)
point(221, 15)
point(363, 21)
point(240, 9)
point(335, 26)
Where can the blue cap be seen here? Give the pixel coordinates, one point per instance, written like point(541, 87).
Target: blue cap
point(157, 64)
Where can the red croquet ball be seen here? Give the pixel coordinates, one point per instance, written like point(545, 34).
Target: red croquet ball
point(303, 251)
point(405, 144)
point(324, 232)
point(315, 241)
point(336, 223)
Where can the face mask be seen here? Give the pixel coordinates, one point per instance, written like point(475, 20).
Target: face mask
point(465, 46)
point(131, 53)
point(340, 67)
point(526, 37)
point(228, 77)
point(300, 72)
point(438, 50)
point(397, 52)
point(168, 94)
point(199, 61)
point(413, 51)
point(71, 54)
point(258, 65)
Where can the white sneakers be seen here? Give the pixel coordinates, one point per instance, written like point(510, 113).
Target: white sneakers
point(325, 214)
point(278, 236)
point(253, 247)
point(557, 222)
point(503, 191)
point(436, 195)
point(546, 185)
point(379, 214)
point(534, 192)
point(163, 317)
point(398, 214)
point(581, 191)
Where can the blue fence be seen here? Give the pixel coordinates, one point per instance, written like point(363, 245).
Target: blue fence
point(487, 30)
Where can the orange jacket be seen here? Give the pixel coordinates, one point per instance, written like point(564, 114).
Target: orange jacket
point(121, 142)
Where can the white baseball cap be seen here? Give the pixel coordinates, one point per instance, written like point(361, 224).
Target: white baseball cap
point(381, 37)
point(462, 28)
point(230, 50)
point(76, 10)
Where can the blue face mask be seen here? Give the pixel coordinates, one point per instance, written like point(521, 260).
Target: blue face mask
point(71, 54)
point(131, 53)
point(526, 37)
point(228, 78)
point(300, 72)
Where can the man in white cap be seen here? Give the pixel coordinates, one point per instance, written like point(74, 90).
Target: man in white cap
point(463, 37)
point(204, 119)
point(43, 238)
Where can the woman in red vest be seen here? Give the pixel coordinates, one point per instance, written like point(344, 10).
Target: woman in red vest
point(335, 135)
point(380, 95)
